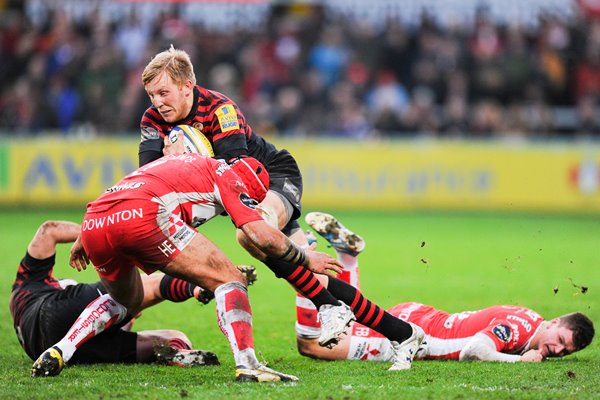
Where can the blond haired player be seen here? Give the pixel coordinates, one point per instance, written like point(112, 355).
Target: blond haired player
point(170, 83)
point(502, 333)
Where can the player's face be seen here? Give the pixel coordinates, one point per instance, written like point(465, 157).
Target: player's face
point(173, 101)
point(555, 340)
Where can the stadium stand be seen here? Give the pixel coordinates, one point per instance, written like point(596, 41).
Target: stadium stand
point(342, 68)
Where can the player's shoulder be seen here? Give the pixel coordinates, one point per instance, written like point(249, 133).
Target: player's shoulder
point(213, 96)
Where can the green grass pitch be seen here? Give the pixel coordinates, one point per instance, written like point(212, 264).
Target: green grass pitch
point(453, 261)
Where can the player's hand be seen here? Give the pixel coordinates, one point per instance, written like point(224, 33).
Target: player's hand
point(204, 296)
point(322, 263)
point(532, 356)
point(78, 258)
point(173, 148)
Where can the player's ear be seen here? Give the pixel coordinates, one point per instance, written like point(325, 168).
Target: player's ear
point(188, 86)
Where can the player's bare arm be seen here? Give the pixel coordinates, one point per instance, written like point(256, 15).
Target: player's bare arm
point(43, 244)
point(482, 348)
point(275, 244)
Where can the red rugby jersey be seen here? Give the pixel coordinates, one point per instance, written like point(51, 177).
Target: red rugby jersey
point(509, 327)
point(196, 187)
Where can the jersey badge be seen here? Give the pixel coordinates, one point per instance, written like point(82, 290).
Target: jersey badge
point(149, 132)
point(248, 201)
point(502, 332)
point(198, 125)
point(228, 119)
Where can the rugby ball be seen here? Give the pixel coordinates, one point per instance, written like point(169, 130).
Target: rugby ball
point(193, 140)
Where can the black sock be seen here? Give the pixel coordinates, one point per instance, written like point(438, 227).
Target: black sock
point(369, 313)
point(303, 280)
point(175, 289)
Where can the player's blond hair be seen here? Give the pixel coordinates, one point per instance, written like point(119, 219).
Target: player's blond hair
point(176, 63)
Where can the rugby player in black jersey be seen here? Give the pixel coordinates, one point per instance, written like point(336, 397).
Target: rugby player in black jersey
point(43, 309)
point(170, 83)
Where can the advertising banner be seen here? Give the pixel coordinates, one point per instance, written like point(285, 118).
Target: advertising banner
point(340, 174)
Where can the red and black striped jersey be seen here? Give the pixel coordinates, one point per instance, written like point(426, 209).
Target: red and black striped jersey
point(34, 282)
point(218, 118)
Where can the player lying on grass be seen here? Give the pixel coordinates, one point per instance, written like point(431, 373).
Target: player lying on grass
point(498, 333)
point(44, 308)
point(146, 220)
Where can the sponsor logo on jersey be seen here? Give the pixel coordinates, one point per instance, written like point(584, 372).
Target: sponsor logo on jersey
point(292, 190)
point(523, 322)
point(248, 201)
point(114, 218)
point(125, 186)
point(222, 168)
point(228, 119)
point(149, 132)
point(502, 332)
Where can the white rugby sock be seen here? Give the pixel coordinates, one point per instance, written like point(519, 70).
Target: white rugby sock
point(350, 274)
point(373, 347)
point(99, 315)
point(235, 320)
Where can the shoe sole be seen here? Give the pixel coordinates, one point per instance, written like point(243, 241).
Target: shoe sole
point(195, 358)
point(263, 376)
point(338, 236)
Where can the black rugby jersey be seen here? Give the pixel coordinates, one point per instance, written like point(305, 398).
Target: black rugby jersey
point(218, 118)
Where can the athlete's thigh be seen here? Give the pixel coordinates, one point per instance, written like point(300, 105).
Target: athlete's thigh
point(204, 264)
point(128, 290)
point(285, 179)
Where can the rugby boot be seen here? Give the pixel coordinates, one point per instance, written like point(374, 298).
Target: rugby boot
point(339, 237)
point(49, 363)
point(261, 373)
point(405, 352)
point(334, 321)
point(184, 358)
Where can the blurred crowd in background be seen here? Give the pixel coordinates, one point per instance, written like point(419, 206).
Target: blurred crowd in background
point(308, 70)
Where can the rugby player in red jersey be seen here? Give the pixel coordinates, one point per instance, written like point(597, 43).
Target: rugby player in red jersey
point(170, 82)
point(502, 333)
point(145, 221)
point(43, 309)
